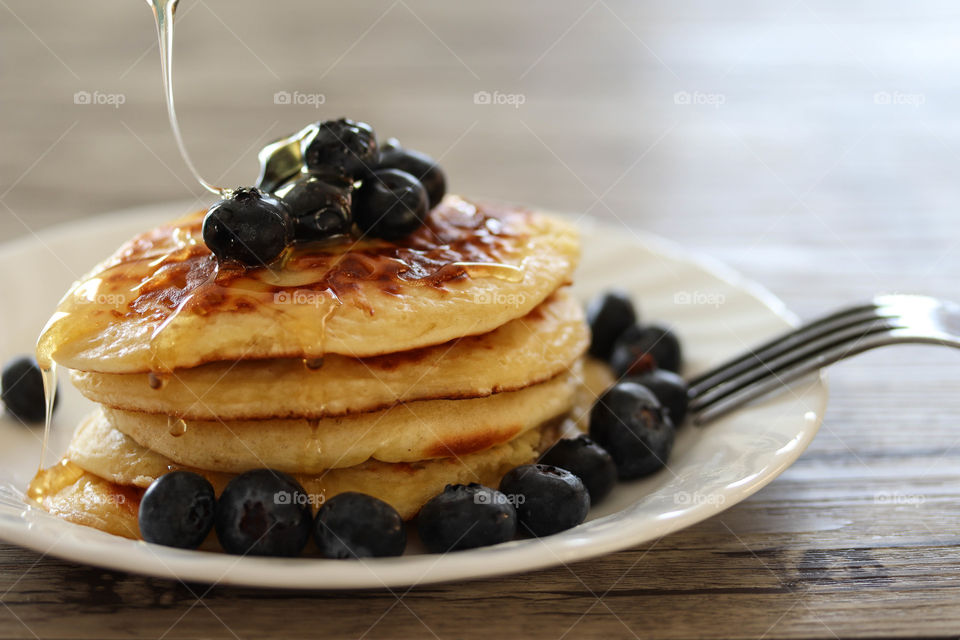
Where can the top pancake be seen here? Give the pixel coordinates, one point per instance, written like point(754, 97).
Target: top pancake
point(163, 301)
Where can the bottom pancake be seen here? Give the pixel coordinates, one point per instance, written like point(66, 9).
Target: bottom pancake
point(100, 485)
point(68, 492)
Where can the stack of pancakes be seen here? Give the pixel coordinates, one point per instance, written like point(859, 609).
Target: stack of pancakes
point(390, 368)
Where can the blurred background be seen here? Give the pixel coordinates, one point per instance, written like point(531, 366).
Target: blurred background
point(807, 137)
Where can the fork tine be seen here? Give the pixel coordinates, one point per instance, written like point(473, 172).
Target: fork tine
point(809, 351)
point(788, 374)
point(787, 341)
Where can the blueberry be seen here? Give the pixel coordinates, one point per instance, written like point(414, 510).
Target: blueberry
point(250, 226)
point(390, 204)
point(670, 389)
point(419, 165)
point(642, 349)
point(588, 461)
point(465, 517)
point(549, 499)
point(177, 510)
point(355, 525)
point(21, 388)
point(263, 513)
point(319, 208)
point(609, 315)
point(629, 422)
point(342, 148)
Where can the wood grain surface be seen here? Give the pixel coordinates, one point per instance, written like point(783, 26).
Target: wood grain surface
point(810, 144)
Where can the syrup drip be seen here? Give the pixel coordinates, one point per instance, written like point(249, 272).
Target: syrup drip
point(313, 363)
point(157, 381)
point(49, 373)
point(177, 426)
point(163, 12)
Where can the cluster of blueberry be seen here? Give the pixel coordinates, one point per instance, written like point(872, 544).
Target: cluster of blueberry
point(632, 426)
point(21, 389)
point(343, 178)
point(267, 513)
point(636, 418)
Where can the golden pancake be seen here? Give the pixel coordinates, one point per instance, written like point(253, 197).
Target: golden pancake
point(408, 432)
point(67, 491)
point(525, 351)
point(164, 302)
point(102, 488)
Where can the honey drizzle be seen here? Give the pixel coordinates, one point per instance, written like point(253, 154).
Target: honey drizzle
point(49, 372)
point(163, 12)
point(157, 380)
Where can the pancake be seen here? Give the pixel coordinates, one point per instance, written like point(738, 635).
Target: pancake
point(525, 351)
point(84, 487)
point(78, 496)
point(163, 301)
point(408, 432)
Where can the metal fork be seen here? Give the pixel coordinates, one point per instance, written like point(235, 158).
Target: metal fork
point(893, 319)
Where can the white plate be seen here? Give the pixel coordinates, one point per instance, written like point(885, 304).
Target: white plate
point(716, 312)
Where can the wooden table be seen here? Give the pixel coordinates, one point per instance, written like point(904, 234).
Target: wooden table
point(810, 144)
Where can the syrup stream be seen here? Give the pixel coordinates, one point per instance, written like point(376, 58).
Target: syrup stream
point(163, 12)
point(49, 372)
